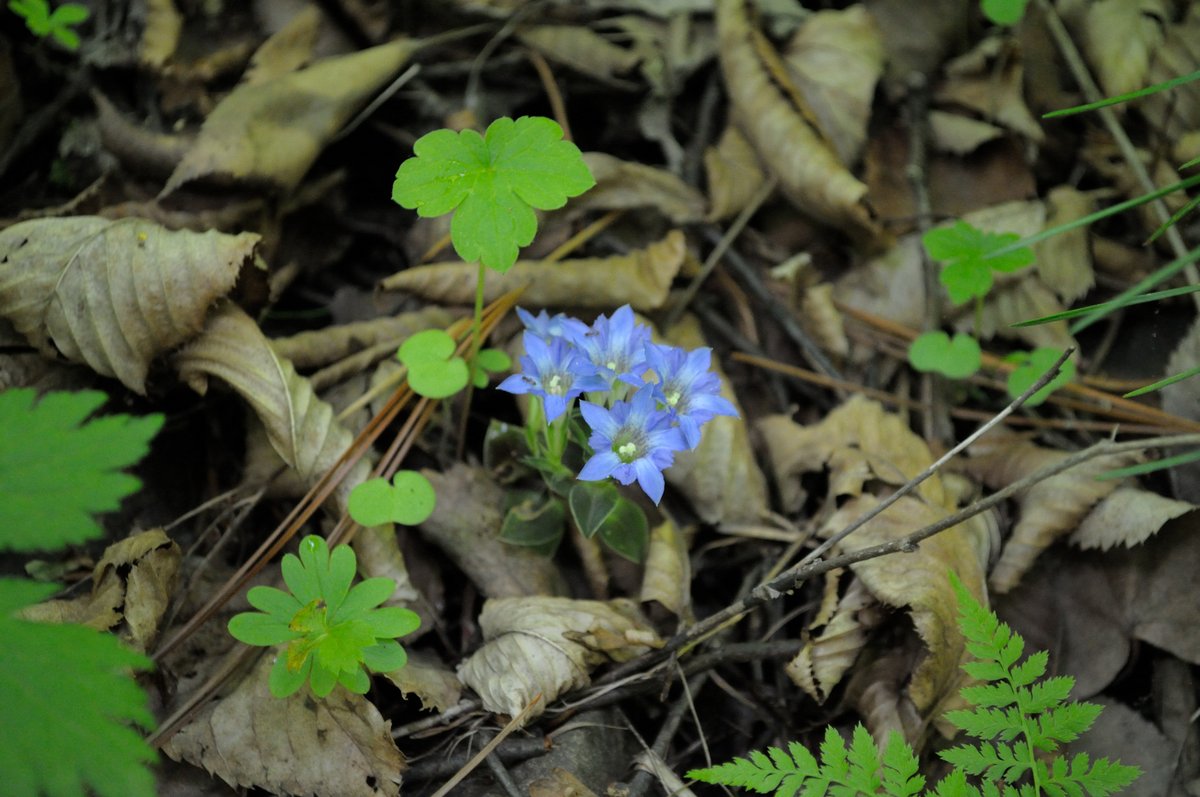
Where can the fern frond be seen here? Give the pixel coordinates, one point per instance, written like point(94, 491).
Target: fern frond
point(1030, 670)
point(997, 695)
point(994, 761)
point(864, 773)
point(1063, 724)
point(988, 723)
point(900, 778)
point(1101, 779)
point(759, 772)
point(834, 762)
point(1048, 694)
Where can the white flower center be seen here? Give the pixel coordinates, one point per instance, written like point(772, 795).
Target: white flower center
point(611, 365)
point(554, 385)
point(627, 452)
point(673, 397)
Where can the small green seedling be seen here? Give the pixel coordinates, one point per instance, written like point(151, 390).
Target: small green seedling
point(330, 630)
point(58, 25)
point(408, 500)
point(65, 690)
point(434, 370)
point(1030, 367)
point(1004, 12)
point(956, 357)
point(1019, 717)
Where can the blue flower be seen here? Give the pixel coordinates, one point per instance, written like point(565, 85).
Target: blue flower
point(633, 440)
point(617, 346)
point(555, 371)
point(547, 327)
point(688, 389)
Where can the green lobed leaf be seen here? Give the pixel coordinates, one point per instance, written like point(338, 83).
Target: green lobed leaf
point(900, 764)
point(492, 183)
point(321, 679)
point(285, 681)
point(275, 602)
point(365, 595)
point(342, 567)
point(341, 646)
point(409, 499)
point(387, 656)
point(1004, 12)
point(57, 468)
point(356, 680)
point(955, 358)
point(392, 621)
point(67, 703)
point(971, 255)
point(299, 579)
point(1033, 365)
point(264, 630)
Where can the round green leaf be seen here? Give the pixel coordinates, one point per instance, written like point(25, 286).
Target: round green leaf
point(408, 500)
point(322, 679)
point(437, 380)
point(937, 352)
point(385, 657)
point(370, 503)
point(966, 279)
point(427, 346)
point(493, 360)
point(626, 531)
point(1004, 12)
point(356, 680)
point(1037, 363)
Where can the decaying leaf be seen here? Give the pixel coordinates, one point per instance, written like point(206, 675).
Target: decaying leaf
point(465, 524)
point(1183, 399)
point(287, 49)
point(640, 279)
point(774, 120)
point(160, 37)
point(114, 295)
point(823, 320)
point(1176, 113)
point(919, 36)
point(580, 48)
point(131, 586)
point(734, 174)
point(1121, 38)
point(295, 745)
point(668, 571)
point(1064, 261)
point(622, 184)
point(559, 782)
point(836, 57)
point(318, 348)
point(548, 646)
point(299, 425)
point(989, 81)
point(431, 681)
point(820, 664)
point(1127, 516)
point(272, 132)
point(1049, 509)
point(720, 477)
point(865, 449)
point(960, 135)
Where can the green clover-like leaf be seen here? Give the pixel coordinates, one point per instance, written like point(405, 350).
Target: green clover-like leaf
point(433, 369)
point(492, 183)
point(970, 257)
point(1004, 12)
point(408, 500)
point(1031, 367)
point(956, 358)
point(489, 361)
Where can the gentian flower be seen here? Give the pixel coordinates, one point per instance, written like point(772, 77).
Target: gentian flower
point(690, 391)
point(547, 327)
point(555, 371)
point(633, 440)
point(617, 346)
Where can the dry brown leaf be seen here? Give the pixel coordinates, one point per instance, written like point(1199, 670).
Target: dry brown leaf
point(835, 58)
point(299, 425)
point(773, 119)
point(820, 664)
point(640, 279)
point(989, 81)
point(1019, 299)
point(889, 285)
point(823, 320)
point(1049, 509)
point(580, 48)
point(272, 132)
point(1127, 516)
point(960, 135)
point(1183, 399)
point(339, 745)
point(431, 681)
point(287, 49)
point(465, 524)
point(667, 577)
point(1120, 39)
point(1064, 261)
point(919, 35)
point(720, 477)
point(625, 185)
point(321, 347)
point(527, 650)
point(734, 174)
point(1176, 113)
point(160, 36)
point(134, 581)
point(114, 295)
point(560, 783)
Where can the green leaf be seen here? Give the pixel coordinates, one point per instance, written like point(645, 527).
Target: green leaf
point(971, 256)
point(626, 531)
point(385, 657)
point(275, 602)
point(300, 580)
point(1004, 12)
point(67, 704)
point(285, 681)
point(408, 500)
point(57, 469)
point(492, 183)
point(955, 358)
point(69, 14)
point(364, 596)
point(342, 645)
point(534, 523)
point(260, 629)
point(1150, 467)
point(591, 503)
point(392, 621)
point(1033, 365)
point(434, 371)
point(489, 361)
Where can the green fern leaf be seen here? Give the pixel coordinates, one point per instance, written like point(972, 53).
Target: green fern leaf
point(1031, 669)
point(1048, 694)
point(834, 762)
point(1064, 724)
point(900, 778)
point(863, 776)
point(987, 724)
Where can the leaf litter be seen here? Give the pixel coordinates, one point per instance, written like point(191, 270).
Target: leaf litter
point(192, 248)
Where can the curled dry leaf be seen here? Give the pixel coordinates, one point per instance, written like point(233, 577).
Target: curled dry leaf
point(823, 320)
point(667, 576)
point(990, 81)
point(820, 664)
point(1176, 113)
point(272, 132)
point(734, 174)
point(640, 279)
point(1049, 509)
point(160, 37)
point(580, 48)
point(318, 348)
point(549, 646)
point(114, 295)
point(431, 681)
point(466, 525)
point(776, 121)
point(835, 58)
point(1127, 516)
point(1064, 261)
point(720, 477)
point(960, 135)
point(287, 49)
point(295, 745)
point(1120, 39)
point(299, 425)
point(624, 185)
point(133, 582)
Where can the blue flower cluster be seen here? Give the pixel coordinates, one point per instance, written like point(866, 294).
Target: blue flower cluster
point(645, 401)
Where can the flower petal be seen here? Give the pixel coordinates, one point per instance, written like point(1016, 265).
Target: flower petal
point(600, 466)
point(649, 478)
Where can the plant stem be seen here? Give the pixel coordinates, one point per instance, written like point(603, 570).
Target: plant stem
point(978, 318)
point(477, 326)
